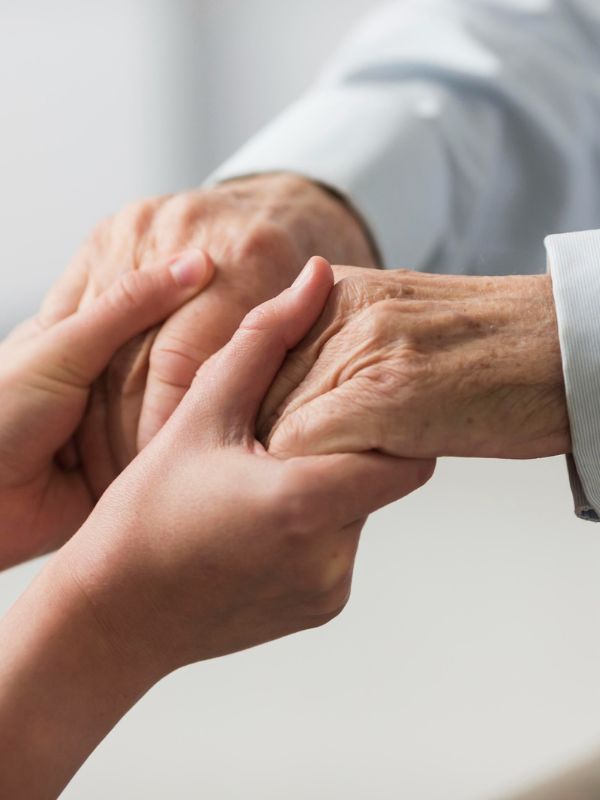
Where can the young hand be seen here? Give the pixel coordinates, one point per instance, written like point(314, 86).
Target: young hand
point(46, 373)
point(205, 545)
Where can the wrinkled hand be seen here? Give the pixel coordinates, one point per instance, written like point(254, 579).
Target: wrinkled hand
point(206, 544)
point(420, 365)
point(258, 232)
point(46, 374)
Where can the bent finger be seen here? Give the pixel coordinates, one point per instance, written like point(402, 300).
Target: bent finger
point(233, 383)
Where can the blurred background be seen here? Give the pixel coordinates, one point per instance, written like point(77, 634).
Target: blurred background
point(467, 665)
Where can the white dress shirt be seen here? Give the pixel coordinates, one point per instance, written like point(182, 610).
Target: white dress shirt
point(465, 132)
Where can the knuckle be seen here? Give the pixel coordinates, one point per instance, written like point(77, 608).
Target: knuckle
point(130, 230)
point(357, 287)
point(267, 238)
point(380, 320)
point(135, 231)
point(138, 216)
point(181, 212)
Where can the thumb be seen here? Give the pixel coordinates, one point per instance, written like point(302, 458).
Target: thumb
point(231, 385)
point(76, 350)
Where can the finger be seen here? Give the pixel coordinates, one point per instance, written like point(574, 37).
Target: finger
point(126, 380)
point(350, 486)
point(342, 420)
point(307, 373)
point(304, 363)
point(78, 349)
point(233, 383)
point(182, 345)
point(94, 444)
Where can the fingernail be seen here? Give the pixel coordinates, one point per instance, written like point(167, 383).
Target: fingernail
point(304, 276)
point(190, 268)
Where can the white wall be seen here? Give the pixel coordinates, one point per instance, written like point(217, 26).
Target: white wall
point(467, 661)
point(95, 112)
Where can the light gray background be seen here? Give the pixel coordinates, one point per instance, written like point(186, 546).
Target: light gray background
point(468, 661)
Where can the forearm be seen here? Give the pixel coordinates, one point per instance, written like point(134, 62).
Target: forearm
point(62, 686)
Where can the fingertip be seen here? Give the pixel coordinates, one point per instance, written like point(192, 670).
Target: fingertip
point(316, 271)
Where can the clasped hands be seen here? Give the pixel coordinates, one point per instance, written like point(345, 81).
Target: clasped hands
point(229, 542)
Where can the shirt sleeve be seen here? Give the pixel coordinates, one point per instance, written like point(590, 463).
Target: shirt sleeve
point(574, 263)
point(463, 131)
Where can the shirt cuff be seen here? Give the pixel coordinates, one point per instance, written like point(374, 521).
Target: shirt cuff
point(574, 262)
point(375, 146)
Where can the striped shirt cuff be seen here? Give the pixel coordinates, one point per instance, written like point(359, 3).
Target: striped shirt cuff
point(574, 263)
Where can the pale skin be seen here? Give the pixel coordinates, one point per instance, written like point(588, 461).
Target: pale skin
point(258, 232)
point(47, 371)
point(419, 365)
point(205, 545)
point(431, 365)
point(400, 363)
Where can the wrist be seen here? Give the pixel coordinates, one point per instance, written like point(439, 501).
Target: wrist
point(62, 685)
point(546, 349)
point(486, 351)
point(530, 366)
point(123, 590)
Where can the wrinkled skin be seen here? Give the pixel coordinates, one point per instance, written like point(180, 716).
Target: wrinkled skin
point(419, 365)
point(258, 232)
point(207, 544)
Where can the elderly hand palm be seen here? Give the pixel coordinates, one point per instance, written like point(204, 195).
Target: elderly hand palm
point(420, 365)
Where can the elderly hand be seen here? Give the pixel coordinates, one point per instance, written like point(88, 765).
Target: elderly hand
point(207, 544)
point(258, 231)
point(420, 365)
point(46, 374)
